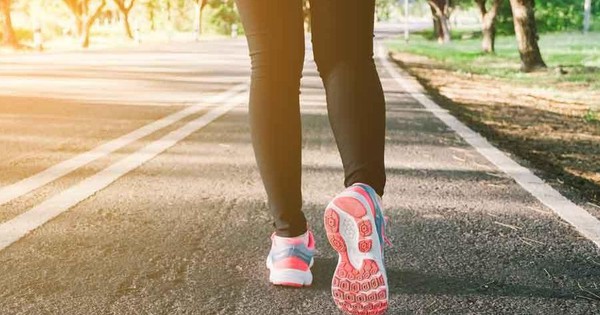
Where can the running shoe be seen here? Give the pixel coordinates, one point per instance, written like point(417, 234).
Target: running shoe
point(290, 260)
point(355, 228)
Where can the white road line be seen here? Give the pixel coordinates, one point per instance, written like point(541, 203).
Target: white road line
point(583, 221)
point(61, 169)
point(16, 228)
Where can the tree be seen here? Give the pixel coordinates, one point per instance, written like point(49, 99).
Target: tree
point(200, 5)
point(125, 8)
point(224, 15)
point(8, 33)
point(151, 6)
point(440, 10)
point(84, 17)
point(488, 24)
point(587, 15)
point(383, 9)
point(307, 16)
point(527, 36)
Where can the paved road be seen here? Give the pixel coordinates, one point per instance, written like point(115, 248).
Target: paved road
point(187, 231)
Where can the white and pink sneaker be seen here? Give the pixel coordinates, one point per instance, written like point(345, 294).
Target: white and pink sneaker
point(355, 228)
point(290, 260)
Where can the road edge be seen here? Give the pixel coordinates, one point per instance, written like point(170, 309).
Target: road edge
point(584, 222)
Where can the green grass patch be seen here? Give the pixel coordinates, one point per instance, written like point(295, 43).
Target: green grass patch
point(591, 116)
point(577, 54)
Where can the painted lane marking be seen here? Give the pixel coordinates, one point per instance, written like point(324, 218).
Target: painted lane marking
point(14, 229)
point(585, 223)
point(24, 186)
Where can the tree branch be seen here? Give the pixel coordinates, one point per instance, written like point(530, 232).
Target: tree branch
point(130, 6)
point(481, 5)
point(435, 6)
point(90, 20)
point(123, 7)
point(73, 6)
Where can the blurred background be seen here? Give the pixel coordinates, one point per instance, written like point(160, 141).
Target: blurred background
point(75, 21)
point(532, 81)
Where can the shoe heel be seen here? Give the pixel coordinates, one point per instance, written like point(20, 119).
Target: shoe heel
point(291, 278)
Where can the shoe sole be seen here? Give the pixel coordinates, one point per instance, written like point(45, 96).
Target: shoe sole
point(290, 277)
point(359, 285)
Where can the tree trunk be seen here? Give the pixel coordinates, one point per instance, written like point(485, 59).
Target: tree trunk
point(84, 35)
point(489, 36)
point(445, 25)
point(125, 9)
point(526, 33)
point(151, 15)
point(198, 20)
point(8, 33)
point(441, 23)
point(587, 15)
point(488, 24)
point(307, 16)
point(127, 25)
point(200, 5)
point(438, 31)
point(89, 22)
point(79, 26)
point(85, 38)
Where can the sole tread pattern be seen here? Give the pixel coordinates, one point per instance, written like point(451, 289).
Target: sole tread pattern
point(360, 291)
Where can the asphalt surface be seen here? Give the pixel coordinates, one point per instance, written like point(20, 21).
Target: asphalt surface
point(188, 231)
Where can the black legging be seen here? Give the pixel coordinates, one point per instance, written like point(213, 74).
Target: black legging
point(342, 36)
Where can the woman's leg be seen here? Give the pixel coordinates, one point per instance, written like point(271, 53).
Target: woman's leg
point(343, 47)
point(275, 34)
point(342, 35)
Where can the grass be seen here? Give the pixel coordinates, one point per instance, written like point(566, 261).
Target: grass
point(591, 116)
point(576, 54)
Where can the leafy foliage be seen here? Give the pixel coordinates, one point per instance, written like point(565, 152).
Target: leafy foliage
point(384, 8)
point(552, 16)
point(591, 116)
point(223, 15)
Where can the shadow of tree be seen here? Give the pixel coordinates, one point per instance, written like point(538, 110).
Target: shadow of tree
point(562, 145)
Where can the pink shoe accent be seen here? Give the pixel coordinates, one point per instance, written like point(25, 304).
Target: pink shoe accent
point(351, 205)
point(292, 263)
point(365, 228)
point(365, 194)
point(365, 245)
